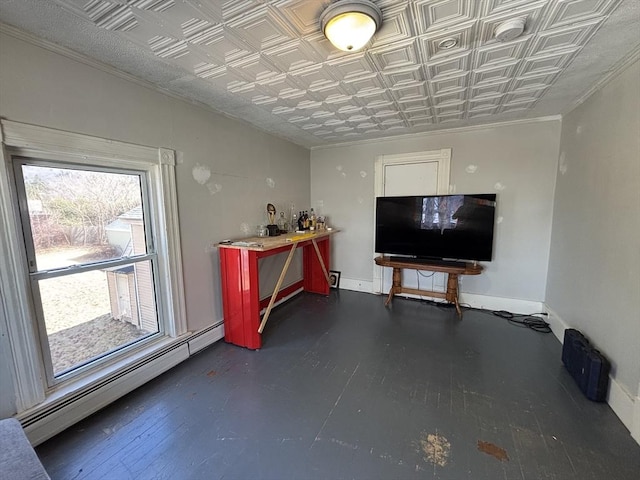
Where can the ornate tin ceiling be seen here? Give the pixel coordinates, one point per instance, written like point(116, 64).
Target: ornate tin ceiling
point(267, 63)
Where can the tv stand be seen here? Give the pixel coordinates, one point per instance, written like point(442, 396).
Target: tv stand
point(452, 271)
point(430, 261)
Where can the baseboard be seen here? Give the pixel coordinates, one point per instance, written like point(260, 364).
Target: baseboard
point(557, 324)
point(356, 285)
point(485, 302)
point(205, 337)
point(55, 422)
point(635, 424)
point(623, 404)
point(513, 305)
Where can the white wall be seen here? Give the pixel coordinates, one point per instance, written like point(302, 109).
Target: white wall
point(247, 168)
point(594, 267)
point(517, 161)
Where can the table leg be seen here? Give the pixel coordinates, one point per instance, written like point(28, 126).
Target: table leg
point(324, 268)
point(452, 291)
point(396, 286)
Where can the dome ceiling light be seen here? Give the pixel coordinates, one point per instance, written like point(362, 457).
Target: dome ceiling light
point(350, 24)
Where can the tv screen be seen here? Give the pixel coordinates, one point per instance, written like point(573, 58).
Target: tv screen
point(456, 227)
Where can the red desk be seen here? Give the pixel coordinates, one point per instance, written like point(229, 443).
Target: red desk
point(240, 290)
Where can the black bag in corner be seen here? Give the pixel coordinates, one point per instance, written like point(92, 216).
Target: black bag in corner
point(597, 376)
point(589, 368)
point(572, 351)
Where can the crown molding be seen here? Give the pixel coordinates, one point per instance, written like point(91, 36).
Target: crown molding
point(108, 69)
point(443, 131)
point(81, 58)
point(616, 70)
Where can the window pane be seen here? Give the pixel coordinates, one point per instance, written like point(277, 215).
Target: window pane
point(90, 314)
point(79, 216)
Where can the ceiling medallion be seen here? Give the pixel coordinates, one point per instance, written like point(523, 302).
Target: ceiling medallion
point(447, 43)
point(350, 24)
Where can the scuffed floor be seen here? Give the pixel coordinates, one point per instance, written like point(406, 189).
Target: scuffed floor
point(345, 388)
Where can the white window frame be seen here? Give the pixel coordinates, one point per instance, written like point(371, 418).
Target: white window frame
point(36, 274)
point(16, 306)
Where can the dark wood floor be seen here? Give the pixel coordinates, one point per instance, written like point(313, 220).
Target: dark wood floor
point(345, 388)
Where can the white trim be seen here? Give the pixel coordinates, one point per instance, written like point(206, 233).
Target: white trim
point(442, 156)
point(616, 70)
point(168, 245)
point(27, 371)
point(557, 324)
point(485, 302)
point(205, 337)
point(41, 142)
point(513, 305)
point(91, 62)
point(110, 70)
point(635, 424)
point(46, 426)
point(443, 131)
point(356, 285)
point(32, 139)
point(623, 404)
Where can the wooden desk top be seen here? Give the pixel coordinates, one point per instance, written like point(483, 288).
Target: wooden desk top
point(263, 244)
point(463, 269)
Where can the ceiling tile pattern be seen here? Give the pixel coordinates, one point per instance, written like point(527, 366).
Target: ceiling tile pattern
point(269, 56)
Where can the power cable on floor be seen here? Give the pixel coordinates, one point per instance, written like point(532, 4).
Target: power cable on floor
point(528, 321)
point(531, 320)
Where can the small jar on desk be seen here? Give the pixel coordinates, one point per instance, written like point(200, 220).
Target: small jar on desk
point(262, 231)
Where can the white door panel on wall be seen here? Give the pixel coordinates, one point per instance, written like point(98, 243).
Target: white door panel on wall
point(410, 179)
point(421, 173)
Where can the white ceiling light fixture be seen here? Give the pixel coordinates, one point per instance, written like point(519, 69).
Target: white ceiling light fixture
point(350, 24)
point(510, 29)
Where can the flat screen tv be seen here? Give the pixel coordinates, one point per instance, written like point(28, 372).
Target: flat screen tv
point(450, 227)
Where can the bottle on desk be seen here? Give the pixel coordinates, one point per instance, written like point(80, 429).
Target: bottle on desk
point(312, 220)
point(282, 223)
point(300, 221)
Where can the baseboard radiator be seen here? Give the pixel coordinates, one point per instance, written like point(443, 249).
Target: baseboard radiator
point(589, 368)
point(43, 423)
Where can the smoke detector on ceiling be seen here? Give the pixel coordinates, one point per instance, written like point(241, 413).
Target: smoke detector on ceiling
point(510, 29)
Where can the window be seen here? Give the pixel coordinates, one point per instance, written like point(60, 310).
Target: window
point(92, 253)
point(91, 260)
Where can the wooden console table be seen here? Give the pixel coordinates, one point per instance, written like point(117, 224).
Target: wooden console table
point(451, 295)
point(240, 286)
